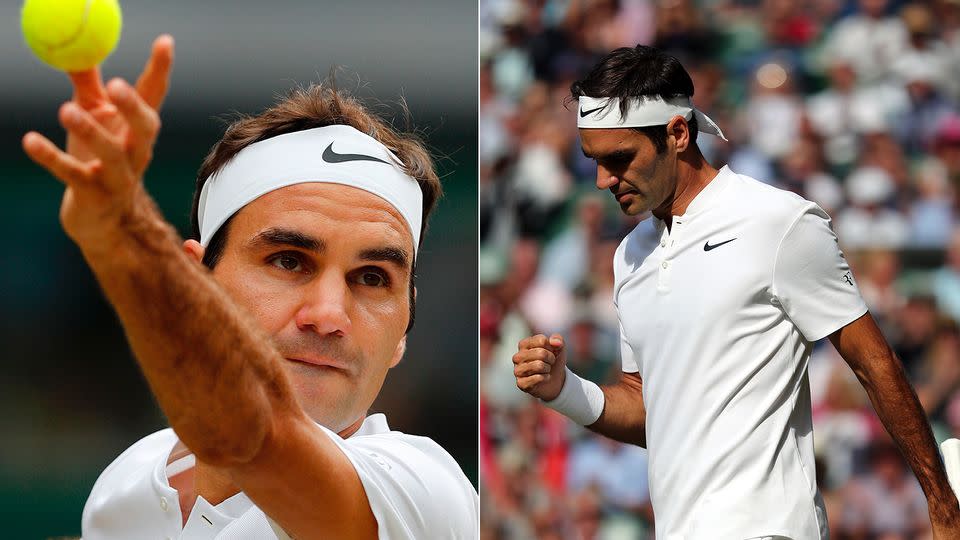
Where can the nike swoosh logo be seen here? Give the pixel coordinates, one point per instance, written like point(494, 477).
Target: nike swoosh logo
point(584, 113)
point(332, 157)
point(708, 247)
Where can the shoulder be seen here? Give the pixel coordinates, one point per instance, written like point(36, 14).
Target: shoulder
point(414, 485)
point(767, 207)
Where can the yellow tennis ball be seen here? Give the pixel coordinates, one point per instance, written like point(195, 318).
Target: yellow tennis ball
point(71, 35)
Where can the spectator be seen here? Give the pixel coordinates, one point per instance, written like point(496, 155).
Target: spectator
point(946, 280)
point(870, 38)
point(885, 501)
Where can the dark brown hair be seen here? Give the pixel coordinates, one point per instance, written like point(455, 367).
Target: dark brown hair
point(317, 105)
point(633, 73)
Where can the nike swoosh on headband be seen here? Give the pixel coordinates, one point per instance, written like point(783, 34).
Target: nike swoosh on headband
point(330, 156)
point(584, 113)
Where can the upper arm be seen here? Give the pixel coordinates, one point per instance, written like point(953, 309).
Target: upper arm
point(861, 343)
point(632, 382)
point(812, 281)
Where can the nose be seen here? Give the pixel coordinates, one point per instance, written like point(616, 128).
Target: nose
point(325, 307)
point(605, 180)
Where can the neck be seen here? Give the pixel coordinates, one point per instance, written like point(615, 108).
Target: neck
point(693, 174)
point(215, 484)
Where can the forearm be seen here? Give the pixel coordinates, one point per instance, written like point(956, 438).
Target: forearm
point(624, 415)
point(213, 372)
point(900, 411)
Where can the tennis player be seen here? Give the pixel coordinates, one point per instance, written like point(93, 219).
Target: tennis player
point(267, 336)
point(720, 297)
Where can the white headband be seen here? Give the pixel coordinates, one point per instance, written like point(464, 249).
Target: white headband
point(643, 111)
point(336, 154)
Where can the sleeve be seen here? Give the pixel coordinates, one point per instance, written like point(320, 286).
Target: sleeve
point(812, 281)
point(416, 490)
point(629, 363)
point(628, 360)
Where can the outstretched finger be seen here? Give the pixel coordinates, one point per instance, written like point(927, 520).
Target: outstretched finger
point(142, 120)
point(62, 165)
point(155, 79)
point(82, 126)
point(88, 90)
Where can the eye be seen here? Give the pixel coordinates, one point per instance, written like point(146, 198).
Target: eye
point(619, 159)
point(287, 261)
point(373, 277)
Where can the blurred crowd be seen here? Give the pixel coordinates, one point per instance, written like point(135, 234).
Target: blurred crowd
point(852, 104)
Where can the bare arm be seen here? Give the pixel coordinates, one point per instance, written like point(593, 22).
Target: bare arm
point(213, 371)
point(540, 368)
point(864, 348)
point(624, 416)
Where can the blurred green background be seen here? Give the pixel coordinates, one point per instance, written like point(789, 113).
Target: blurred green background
point(72, 396)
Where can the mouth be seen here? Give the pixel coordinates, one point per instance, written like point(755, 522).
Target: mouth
point(625, 196)
point(320, 362)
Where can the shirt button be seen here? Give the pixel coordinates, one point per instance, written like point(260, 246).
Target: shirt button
point(665, 264)
point(163, 503)
point(663, 244)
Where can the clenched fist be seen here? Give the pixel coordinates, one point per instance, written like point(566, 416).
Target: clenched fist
point(540, 366)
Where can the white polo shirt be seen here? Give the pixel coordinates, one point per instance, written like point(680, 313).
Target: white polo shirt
point(415, 488)
point(718, 316)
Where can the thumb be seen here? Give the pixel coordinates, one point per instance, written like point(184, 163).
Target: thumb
point(557, 345)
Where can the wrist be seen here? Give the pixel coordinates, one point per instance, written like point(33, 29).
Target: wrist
point(134, 224)
point(127, 238)
point(579, 399)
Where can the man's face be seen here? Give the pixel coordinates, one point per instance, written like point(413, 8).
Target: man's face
point(325, 269)
point(629, 166)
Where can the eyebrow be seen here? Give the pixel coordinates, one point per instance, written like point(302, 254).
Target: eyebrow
point(390, 254)
point(612, 156)
point(287, 237)
point(278, 236)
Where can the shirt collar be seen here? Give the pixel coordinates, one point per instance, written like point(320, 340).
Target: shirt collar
point(375, 424)
point(233, 507)
point(711, 192)
point(707, 196)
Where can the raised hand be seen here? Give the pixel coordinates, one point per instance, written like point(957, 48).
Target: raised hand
point(110, 132)
point(540, 366)
point(91, 95)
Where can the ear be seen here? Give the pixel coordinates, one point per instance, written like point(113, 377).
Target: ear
point(398, 354)
point(194, 250)
point(680, 130)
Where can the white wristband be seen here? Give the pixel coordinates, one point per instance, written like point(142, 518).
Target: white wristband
point(579, 400)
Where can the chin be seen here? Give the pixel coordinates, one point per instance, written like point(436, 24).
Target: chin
point(328, 402)
point(633, 208)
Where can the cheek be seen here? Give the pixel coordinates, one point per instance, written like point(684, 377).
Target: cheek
point(380, 323)
point(271, 304)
